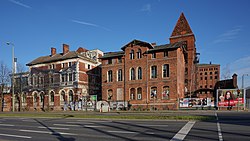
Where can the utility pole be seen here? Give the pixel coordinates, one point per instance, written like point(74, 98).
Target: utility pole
point(13, 79)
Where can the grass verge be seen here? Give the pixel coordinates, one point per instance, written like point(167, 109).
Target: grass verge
point(108, 116)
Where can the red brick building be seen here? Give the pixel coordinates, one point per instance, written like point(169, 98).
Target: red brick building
point(151, 76)
point(59, 78)
point(207, 77)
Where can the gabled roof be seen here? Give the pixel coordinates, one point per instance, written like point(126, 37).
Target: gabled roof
point(112, 54)
point(58, 57)
point(182, 27)
point(165, 47)
point(137, 42)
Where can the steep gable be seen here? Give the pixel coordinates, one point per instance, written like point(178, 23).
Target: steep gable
point(182, 27)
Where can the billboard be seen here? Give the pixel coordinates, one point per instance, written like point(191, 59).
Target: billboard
point(195, 102)
point(230, 98)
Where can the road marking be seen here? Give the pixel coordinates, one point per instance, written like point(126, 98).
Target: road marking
point(6, 125)
point(17, 136)
point(47, 132)
point(92, 126)
point(152, 125)
point(79, 123)
point(218, 127)
point(122, 132)
point(67, 125)
point(42, 127)
point(183, 132)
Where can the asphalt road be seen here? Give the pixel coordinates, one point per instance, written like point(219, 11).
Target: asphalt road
point(230, 126)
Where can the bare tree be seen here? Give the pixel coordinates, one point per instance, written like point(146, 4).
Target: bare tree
point(4, 80)
point(226, 72)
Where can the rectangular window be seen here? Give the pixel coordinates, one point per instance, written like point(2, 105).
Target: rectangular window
point(110, 77)
point(154, 72)
point(165, 70)
point(70, 64)
point(153, 55)
point(165, 54)
point(70, 77)
point(119, 59)
point(109, 61)
point(119, 75)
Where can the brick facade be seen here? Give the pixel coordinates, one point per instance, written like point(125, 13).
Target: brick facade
point(59, 78)
point(207, 77)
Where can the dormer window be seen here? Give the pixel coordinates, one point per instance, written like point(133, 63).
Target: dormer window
point(139, 54)
point(132, 54)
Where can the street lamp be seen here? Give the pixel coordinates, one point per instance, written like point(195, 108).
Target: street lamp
point(243, 80)
point(13, 71)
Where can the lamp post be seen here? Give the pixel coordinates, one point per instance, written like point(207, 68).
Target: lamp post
point(13, 71)
point(243, 80)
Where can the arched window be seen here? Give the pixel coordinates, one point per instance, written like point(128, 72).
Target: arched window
point(132, 93)
point(119, 75)
point(132, 74)
point(153, 92)
point(165, 70)
point(52, 94)
point(165, 92)
point(131, 54)
point(139, 73)
point(63, 96)
point(139, 93)
point(70, 95)
point(139, 54)
point(110, 94)
point(41, 97)
point(154, 72)
point(110, 76)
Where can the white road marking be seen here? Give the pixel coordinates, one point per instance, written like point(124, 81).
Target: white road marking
point(67, 125)
point(78, 123)
point(218, 127)
point(152, 125)
point(7, 125)
point(183, 132)
point(92, 126)
point(17, 136)
point(42, 127)
point(47, 132)
point(122, 132)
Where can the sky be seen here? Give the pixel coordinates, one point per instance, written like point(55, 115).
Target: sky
point(221, 28)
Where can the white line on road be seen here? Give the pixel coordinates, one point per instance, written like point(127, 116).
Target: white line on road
point(183, 132)
point(47, 132)
point(6, 125)
point(42, 127)
point(17, 136)
point(219, 129)
point(122, 132)
point(152, 125)
point(92, 126)
point(67, 125)
point(79, 123)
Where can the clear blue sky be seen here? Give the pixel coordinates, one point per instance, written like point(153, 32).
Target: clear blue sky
point(221, 27)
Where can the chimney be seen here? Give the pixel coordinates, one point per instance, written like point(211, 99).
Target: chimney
point(235, 80)
point(53, 51)
point(65, 48)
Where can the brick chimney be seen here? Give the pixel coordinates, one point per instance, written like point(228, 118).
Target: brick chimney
point(65, 48)
point(235, 81)
point(53, 51)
